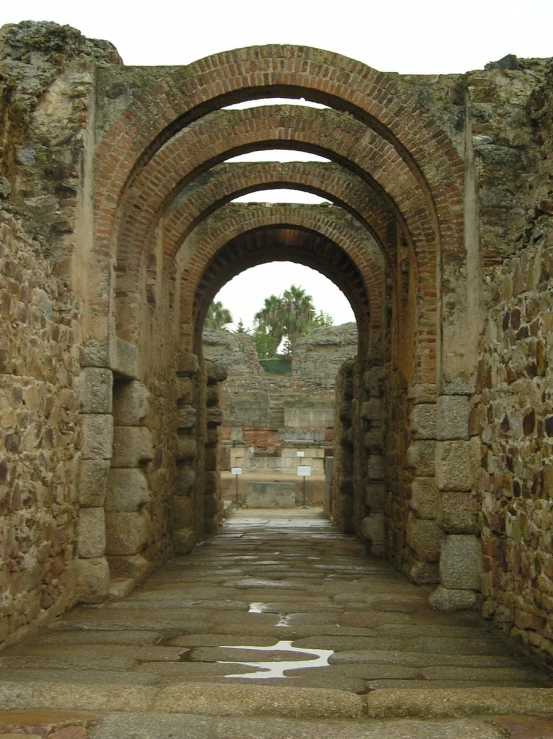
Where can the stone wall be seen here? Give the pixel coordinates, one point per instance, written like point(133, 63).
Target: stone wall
point(511, 417)
point(40, 437)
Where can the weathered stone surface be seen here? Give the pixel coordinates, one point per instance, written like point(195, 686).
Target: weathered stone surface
point(183, 511)
point(425, 538)
point(186, 449)
point(125, 361)
point(91, 533)
point(126, 489)
point(186, 478)
point(127, 533)
point(455, 513)
point(133, 565)
point(421, 457)
point(97, 436)
point(373, 529)
point(92, 580)
point(453, 465)
point(425, 497)
point(446, 599)
point(271, 495)
point(132, 446)
point(131, 403)
point(92, 482)
point(188, 365)
point(95, 390)
point(187, 417)
point(184, 540)
point(423, 421)
point(452, 417)
point(461, 562)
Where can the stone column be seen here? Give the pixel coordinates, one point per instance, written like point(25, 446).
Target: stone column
point(213, 501)
point(343, 450)
point(185, 492)
point(373, 525)
point(457, 462)
point(95, 390)
point(128, 523)
point(424, 536)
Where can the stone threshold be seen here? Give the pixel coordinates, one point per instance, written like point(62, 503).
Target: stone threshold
point(206, 699)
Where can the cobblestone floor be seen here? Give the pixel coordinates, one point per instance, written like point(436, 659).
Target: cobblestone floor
point(277, 600)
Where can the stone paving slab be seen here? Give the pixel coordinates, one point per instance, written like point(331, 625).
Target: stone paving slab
point(200, 727)
point(164, 648)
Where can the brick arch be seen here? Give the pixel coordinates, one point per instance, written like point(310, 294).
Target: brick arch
point(272, 244)
point(209, 141)
point(333, 224)
point(173, 97)
point(225, 182)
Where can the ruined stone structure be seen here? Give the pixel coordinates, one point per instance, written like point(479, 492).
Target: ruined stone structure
point(118, 229)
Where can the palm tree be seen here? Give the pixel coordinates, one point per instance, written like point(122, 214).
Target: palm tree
point(217, 316)
point(268, 323)
point(299, 314)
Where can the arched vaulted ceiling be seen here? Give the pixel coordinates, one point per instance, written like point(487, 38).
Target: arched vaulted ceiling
point(159, 165)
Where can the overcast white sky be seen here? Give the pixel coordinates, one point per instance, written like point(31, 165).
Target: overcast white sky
point(407, 36)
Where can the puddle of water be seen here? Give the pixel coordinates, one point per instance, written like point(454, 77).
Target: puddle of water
point(257, 608)
point(318, 658)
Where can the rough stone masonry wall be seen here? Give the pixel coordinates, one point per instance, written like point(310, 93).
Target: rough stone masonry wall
point(46, 73)
point(512, 409)
point(39, 435)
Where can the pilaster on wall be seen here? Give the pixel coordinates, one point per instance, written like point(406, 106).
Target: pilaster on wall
point(343, 493)
point(424, 536)
point(213, 501)
point(457, 462)
point(128, 522)
point(373, 524)
point(185, 499)
point(95, 387)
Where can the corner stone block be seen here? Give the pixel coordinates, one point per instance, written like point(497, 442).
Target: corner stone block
point(131, 404)
point(184, 541)
point(453, 465)
point(214, 417)
point(216, 371)
point(126, 490)
point(132, 446)
point(92, 580)
point(186, 448)
point(127, 533)
point(425, 573)
point(372, 410)
point(461, 562)
point(97, 436)
point(133, 565)
point(92, 533)
point(373, 529)
point(421, 456)
point(92, 482)
point(443, 599)
point(425, 538)
point(456, 513)
point(453, 417)
point(374, 439)
point(94, 354)
point(185, 480)
point(185, 389)
point(187, 417)
point(423, 421)
point(372, 380)
point(375, 496)
point(183, 512)
point(125, 361)
point(188, 365)
point(95, 390)
point(375, 467)
point(425, 497)
point(423, 393)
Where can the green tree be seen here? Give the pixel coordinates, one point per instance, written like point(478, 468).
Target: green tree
point(241, 329)
point(217, 316)
point(289, 315)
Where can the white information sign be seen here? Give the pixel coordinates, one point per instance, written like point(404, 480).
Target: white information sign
point(236, 470)
point(304, 470)
point(300, 454)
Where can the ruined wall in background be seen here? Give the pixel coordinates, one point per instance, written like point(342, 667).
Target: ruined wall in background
point(511, 109)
